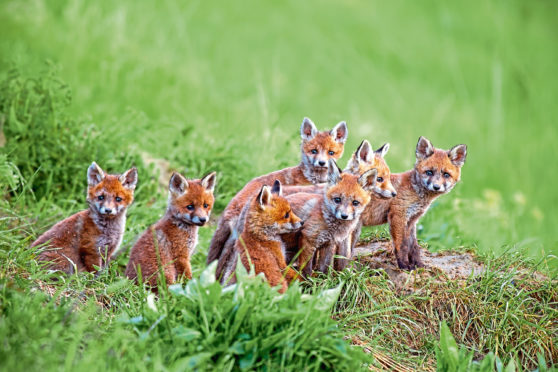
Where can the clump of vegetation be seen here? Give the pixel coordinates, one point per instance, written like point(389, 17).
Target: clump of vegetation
point(507, 310)
point(199, 326)
point(247, 326)
point(10, 177)
point(49, 147)
point(453, 358)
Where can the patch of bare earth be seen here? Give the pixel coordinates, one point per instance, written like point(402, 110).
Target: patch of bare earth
point(452, 265)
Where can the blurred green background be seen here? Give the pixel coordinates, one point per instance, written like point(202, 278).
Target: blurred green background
point(225, 85)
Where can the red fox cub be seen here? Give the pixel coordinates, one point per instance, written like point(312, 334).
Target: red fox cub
point(170, 243)
point(364, 159)
point(317, 148)
point(89, 239)
point(435, 173)
point(268, 215)
point(330, 218)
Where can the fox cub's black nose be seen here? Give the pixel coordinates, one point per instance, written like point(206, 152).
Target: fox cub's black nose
point(394, 194)
point(301, 223)
point(321, 162)
point(108, 210)
point(344, 216)
point(203, 219)
point(436, 187)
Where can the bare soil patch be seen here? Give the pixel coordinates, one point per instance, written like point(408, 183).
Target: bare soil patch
point(442, 265)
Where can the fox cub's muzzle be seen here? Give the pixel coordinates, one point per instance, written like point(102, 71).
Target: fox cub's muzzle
point(198, 219)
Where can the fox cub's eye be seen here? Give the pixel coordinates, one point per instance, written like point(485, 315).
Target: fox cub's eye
point(380, 179)
point(190, 207)
point(356, 202)
point(314, 151)
point(287, 214)
point(429, 173)
point(331, 153)
point(447, 175)
point(101, 197)
point(118, 199)
point(337, 200)
point(205, 205)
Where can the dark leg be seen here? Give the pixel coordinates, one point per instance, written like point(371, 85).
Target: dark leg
point(325, 257)
point(355, 235)
point(399, 240)
point(414, 248)
point(219, 239)
point(344, 249)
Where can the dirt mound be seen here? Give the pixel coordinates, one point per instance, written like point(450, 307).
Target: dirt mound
point(442, 265)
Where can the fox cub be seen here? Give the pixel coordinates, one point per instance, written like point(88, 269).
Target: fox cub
point(268, 215)
point(364, 159)
point(435, 173)
point(170, 243)
point(316, 150)
point(330, 218)
point(87, 240)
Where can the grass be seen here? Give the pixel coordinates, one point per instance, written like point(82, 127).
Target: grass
point(498, 311)
point(224, 87)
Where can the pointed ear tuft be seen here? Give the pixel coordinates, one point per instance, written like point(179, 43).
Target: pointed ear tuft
point(424, 148)
point(382, 151)
point(208, 181)
point(364, 152)
point(129, 179)
point(276, 188)
point(178, 184)
point(264, 198)
point(94, 174)
point(458, 154)
point(340, 132)
point(333, 172)
point(368, 179)
point(308, 130)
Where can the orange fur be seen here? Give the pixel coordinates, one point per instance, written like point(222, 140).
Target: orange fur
point(316, 148)
point(268, 215)
point(90, 238)
point(169, 244)
point(415, 192)
point(329, 219)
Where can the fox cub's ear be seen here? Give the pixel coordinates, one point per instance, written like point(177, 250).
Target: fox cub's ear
point(382, 151)
point(265, 196)
point(208, 181)
point(368, 179)
point(458, 154)
point(364, 152)
point(308, 130)
point(129, 179)
point(333, 172)
point(277, 188)
point(340, 132)
point(424, 148)
point(94, 174)
point(178, 184)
